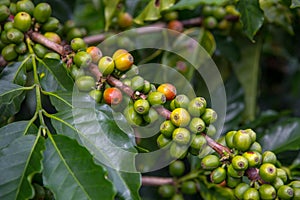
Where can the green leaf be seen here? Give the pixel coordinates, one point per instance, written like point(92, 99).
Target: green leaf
point(110, 8)
point(11, 97)
point(152, 11)
point(14, 130)
point(15, 73)
point(192, 4)
point(295, 3)
point(70, 173)
point(283, 136)
point(19, 162)
point(252, 17)
point(54, 76)
point(247, 71)
point(60, 100)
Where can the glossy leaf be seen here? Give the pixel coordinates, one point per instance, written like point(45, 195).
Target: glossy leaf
point(153, 10)
point(192, 4)
point(15, 73)
point(54, 76)
point(295, 4)
point(61, 100)
point(14, 130)
point(70, 173)
point(252, 17)
point(110, 8)
point(11, 97)
point(19, 162)
point(283, 136)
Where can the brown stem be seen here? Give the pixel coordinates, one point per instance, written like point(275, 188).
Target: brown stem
point(156, 181)
point(217, 147)
point(39, 38)
point(3, 62)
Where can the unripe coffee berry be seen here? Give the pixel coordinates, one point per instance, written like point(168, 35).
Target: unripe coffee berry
point(51, 25)
point(218, 175)
point(268, 172)
point(168, 90)
point(96, 95)
point(232, 182)
point(176, 168)
point(78, 44)
point(181, 136)
point(156, 98)
point(151, 116)
point(209, 116)
point(52, 36)
point(233, 172)
point(210, 22)
point(162, 141)
point(25, 6)
point(242, 140)
point(9, 53)
point(85, 83)
point(181, 101)
point(256, 147)
point(106, 65)
point(133, 117)
point(285, 192)
point(269, 157)
point(267, 191)
point(210, 162)
point(240, 189)
point(42, 12)
point(112, 96)
point(167, 128)
point(253, 157)
point(166, 191)
point(197, 125)
point(198, 141)
point(180, 117)
point(22, 21)
point(229, 139)
point(137, 83)
point(239, 163)
point(197, 106)
point(82, 59)
point(141, 106)
point(251, 194)
point(277, 183)
point(189, 187)
point(178, 151)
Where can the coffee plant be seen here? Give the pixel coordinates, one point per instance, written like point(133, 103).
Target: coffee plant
point(79, 111)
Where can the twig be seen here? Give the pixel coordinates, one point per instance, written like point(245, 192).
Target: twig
point(39, 38)
point(156, 181)
point(217, 147)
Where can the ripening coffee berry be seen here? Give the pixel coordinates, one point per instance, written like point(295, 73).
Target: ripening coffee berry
point(181, 136)
point(285, 192)
point(166, 191)
point(239, 163)
point(96, 95)
point(180, 117)
point(167, 128)
point(268, 172)
point(85, 83)
point(218, 175)
point(209, 116)
point(269, 157)
point(240, 189)
point(156, 98)
point(251, 194)
point(82, 59)
point(162, 141)
point(95, 53)
point(253, 157)
point(151, 116)
point(78, 44)
point(175, 25)
point(242, 140)
point(123, 60)
point(141, 106)
point(197, 125)
point(176, 168)
point(22, 21)
point(168, 90)
point(42, 12)
point(112, 96)
point(267, 191)
point(132, 117)
point(197, 106)
point(181, 101)
point(229, 139)
point(137, 83)
point(106, 65)
point(210, 162)
point(124, 20)
point(189, 187)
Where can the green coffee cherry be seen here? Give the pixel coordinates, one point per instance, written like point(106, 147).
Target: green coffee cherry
point(281, 173)
point(78, 44)
point(239, 163)
point(51, 25)
point(210, 162)
point(251, 194)
point(151, 116)
point(85, 83)
point(28, 63)
point(219, 12)
point(285, 192)
point(22, 21)
point(15, 36)
point(82, 59)
point(177, 197)
point(197, 125)
point(207, 10)
point(210, 22)
point(253, 157)
point(166, 191)
point(229, 139)
point(269, 157)
point(137, 83)
point(74, 33)
point(96, 95)
point(240, 189)
point(256, 147)
point(180, 117)
point(21, 48)
point(4, 37)
point(76, 72)
point(241, 140)
point(251, 133)
point(267, 191)
point(189, 187)
point(156, 98)
point(295, 184)
point(210, 130)
point(52, 55)
point(277, 183)
point(181, 136)
point(268, 172)
point(178, 151)
point(106, 65)
point(132, 116)
point(8, 25)
point(198, 141)
point(209, 116)
point(4, 13)
point(218, 175)
point(162, 141)
point(141, 106)
point(233, 172)
point(9, 53)
point(296, 193)
point(197, 106)
point(232, 182)
point(181, 101)
point(40, 50)
point(25, 6)
point(42, 12)
point(176, 168)
point(167, 128)
point(147, 87)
